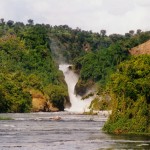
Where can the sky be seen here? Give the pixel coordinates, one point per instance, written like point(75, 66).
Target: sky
point(114, 16)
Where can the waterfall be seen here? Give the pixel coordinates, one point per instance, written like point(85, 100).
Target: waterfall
point(77, 104)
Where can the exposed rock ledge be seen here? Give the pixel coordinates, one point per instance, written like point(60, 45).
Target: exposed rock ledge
point(40, 103)
point(82, 87)
point(141, 49)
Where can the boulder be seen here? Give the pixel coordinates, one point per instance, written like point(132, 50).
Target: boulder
point(40, 103)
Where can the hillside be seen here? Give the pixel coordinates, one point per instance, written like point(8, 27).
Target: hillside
point(141, 49)
point(29, 78)
point(130, 97)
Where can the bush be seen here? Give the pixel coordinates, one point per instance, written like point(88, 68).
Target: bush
point(130, 95)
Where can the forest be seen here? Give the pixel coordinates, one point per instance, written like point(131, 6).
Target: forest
point(29, 58)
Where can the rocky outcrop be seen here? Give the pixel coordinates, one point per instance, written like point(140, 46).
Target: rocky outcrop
point(56, 118)
point(40, 103)
point(82, 87)
point(141, 49)
point(86, 47)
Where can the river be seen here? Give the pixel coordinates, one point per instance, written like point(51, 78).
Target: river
point(38, 131)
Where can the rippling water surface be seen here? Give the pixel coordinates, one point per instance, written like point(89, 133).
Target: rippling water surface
point(38, 131)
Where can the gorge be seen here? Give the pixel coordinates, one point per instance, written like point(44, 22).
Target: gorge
point(29, 74)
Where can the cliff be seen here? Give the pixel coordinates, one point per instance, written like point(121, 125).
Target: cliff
point(141, 49)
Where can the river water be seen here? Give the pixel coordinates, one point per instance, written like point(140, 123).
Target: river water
point(38, 131)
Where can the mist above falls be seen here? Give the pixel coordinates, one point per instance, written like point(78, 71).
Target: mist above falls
point(77, 104)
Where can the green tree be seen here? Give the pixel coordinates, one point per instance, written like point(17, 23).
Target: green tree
point(10, 23)
point(129, 90)
point(31, 22)
point(103, 33)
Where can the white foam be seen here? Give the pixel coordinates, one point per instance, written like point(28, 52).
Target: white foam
point(77, 104)
point(9, 125)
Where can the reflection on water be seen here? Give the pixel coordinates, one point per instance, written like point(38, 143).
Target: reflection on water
point(38, 131)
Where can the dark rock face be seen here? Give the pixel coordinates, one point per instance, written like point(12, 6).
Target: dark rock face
point(67, 103)
point(82, 87)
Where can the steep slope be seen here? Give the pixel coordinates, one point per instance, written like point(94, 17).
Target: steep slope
point(129, 90)
point(141, 49)
point(29, 78)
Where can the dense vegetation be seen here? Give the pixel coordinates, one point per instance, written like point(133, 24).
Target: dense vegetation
point(27, 66)
point(130, 93)
point(29, 55)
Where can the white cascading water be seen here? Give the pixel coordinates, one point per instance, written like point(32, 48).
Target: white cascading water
point(77, 104)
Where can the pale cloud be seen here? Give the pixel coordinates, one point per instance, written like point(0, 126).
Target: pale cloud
point(143, 3)
point(118, 7)
point(116, 16)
